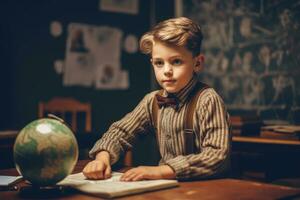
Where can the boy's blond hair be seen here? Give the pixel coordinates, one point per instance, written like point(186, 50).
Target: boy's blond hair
point(176, 31)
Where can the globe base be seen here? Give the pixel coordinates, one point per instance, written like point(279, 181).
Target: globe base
point(42, 192)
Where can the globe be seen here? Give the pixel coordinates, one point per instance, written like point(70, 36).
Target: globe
point(45, 152)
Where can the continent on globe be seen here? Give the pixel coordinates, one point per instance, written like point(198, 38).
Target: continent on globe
point(45, 152)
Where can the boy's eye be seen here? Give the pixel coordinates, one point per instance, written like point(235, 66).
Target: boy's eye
point(158, 63)
point(177, 62)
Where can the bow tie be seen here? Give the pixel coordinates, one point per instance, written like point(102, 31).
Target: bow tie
point(167, 101)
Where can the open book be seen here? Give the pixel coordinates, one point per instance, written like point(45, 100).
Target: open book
point(113, 187)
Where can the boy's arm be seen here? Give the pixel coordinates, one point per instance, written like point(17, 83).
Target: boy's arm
point(149, 172)
point(120, 135)
point(99, 168)
point(215, 144)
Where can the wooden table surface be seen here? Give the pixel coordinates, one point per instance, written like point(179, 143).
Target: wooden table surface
point(206, 189)
point(262, 140)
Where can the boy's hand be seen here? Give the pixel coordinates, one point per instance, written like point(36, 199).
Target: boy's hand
point(99, 168)
point(148, 172)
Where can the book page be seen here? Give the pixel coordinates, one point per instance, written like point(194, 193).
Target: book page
point(9, 180)
point(79, 178)
point(113, 187)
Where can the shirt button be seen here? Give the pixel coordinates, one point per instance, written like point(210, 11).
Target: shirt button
point(168, 137)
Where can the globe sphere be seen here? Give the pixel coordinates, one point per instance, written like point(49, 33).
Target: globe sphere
point(45, 152)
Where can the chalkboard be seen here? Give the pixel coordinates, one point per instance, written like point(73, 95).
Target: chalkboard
point(252, 53)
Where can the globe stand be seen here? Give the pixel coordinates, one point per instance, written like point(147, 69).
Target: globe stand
point(42, 192)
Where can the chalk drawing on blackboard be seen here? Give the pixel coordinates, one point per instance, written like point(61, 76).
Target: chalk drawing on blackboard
point(252, 91)
point(283, 85)
point(252, 51)
point(264, 57)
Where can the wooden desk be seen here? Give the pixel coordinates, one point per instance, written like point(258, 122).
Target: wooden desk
point(270, 159)
point(208, 189)
point(257, 139)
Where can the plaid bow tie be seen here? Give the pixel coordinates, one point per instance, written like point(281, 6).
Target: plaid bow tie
point(167, 101)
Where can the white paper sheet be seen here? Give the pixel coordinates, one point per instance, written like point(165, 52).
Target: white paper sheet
point(93, 57)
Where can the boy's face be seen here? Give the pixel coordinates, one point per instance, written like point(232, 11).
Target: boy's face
point(173, 66)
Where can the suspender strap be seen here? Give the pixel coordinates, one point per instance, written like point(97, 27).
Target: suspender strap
point(188, 123)
point(189, 113)
point(155, 116)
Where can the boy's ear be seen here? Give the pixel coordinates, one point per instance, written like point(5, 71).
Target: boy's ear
point(199, 62)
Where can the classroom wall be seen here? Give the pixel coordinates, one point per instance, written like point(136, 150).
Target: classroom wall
point(28, 53)
point(251, 51)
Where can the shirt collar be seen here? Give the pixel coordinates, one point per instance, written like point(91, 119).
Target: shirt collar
point(183, 94)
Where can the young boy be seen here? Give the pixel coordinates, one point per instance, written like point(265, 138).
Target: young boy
point(174, 46)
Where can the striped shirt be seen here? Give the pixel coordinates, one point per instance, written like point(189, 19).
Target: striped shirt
point(210, 124)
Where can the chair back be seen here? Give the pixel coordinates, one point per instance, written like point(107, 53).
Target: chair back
point(62, 106)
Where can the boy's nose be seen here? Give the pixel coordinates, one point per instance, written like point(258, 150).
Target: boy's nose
point(168, 69)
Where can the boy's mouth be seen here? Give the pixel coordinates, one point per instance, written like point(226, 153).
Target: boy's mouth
point(168, 81)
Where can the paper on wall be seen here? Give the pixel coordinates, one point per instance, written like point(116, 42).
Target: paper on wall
point(93, 57)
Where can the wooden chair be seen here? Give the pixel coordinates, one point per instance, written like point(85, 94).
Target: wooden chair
point(61, 106)
point(128, 160)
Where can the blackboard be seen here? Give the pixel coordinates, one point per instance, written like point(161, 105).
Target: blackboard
point(252, 54)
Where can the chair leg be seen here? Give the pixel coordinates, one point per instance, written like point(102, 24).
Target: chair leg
point(128, 159)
